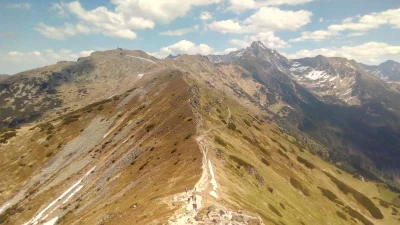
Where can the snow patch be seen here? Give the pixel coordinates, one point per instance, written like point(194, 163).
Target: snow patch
point(39, 217)
point(52, 221)
point(137, 57)
point(4, 207)
point(316, 75)
point(213, 181)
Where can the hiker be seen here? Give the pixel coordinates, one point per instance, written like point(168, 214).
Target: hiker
point(195, 206)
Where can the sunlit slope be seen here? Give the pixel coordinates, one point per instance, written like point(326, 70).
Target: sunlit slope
point(118, 161)
point(261, 170)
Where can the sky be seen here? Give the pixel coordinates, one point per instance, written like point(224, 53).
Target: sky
point(41, 32)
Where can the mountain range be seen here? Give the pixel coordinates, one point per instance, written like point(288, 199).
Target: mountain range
point(251, 137)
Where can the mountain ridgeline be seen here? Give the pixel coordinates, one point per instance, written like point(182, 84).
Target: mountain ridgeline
point(251, 137)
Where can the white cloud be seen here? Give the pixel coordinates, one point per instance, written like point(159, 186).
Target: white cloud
point(267, 38)
point(318, 35)
point(273, 19)
point(364, 23)
point(356, 34)
point(19, 6)
point(266, 19)
point(227, 26)
point(127, 16)
point(179, 32)
point(183, 47)
point(62, 33)
point(16, 61)
point(321, 19)
point(205, 16)
point(158, 10)
point(243, 5)
point(369, 52)
point(59, 8)
point(226, 51)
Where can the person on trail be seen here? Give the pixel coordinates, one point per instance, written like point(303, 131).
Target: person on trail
point(195, 206)
point(186, 190)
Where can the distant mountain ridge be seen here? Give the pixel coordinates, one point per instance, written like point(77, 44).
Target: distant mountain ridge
point(389, 70)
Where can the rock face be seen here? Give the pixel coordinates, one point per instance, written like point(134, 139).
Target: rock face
point(120, 137)
point(388, 71)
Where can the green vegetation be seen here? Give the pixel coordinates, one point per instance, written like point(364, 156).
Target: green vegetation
point(241, 162)
point(257, 127)
point(283, 154)
point(218, 110)
point(6, 133)
point(263, 160)
point(220, 141)
point(149, 127)
point(275, 210)
point(305, 162)
point(361, 198)
point(257, 144)
point(247, 122)
point(330, 195)
point(341, 215)
point(71, 118)
point(296, 184)
point(353, 213)
point(10, 212)
point(232, 126)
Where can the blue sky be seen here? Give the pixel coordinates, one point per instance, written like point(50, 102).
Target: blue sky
point(41, 32)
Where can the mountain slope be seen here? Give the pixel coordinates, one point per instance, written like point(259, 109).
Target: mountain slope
point(359, 138)
point(226, 136)
point(389, 70)
point(66, 86)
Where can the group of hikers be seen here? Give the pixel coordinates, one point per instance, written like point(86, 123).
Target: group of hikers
point(192, 198)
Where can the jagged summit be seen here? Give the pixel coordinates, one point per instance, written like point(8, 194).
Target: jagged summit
point(389, 70)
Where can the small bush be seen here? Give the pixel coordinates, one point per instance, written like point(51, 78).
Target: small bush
point(247, 122)
point(232, 126)
point(275, 210)
point(263, 160)
point(330, 195)
point(270, 189)
point(305, 162)
point(282, 205)
point(283, 154)
point(220, 141)
point(257, 127)
point(353, 213)
point(150, 127)
point(49, 154)
point(341, 215)
point(218, 110)
point(361, 198)
point(143, 166)
point(241, 162)
point(296, 184)
point(71, 118)
point(188, 136)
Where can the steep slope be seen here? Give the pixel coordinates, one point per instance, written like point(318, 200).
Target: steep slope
point(236, 140)
point(67, 86)
point(340, 81)
point(112, 162)
point(389, 70)
point(360, 138)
